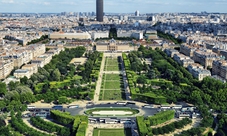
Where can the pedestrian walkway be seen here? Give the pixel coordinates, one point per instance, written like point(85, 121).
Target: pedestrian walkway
point(99, 82)
point(27, 122)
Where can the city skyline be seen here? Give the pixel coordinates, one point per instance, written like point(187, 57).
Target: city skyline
point(113, 6)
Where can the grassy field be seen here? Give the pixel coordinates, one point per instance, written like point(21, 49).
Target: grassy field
point(112, 85)
point(111, 61)
point(112, 77)
point(112, 132)
point(111, 68)
point(111, 64)
point(112, 95)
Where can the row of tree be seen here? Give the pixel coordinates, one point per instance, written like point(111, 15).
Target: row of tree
point(91, 68)
point(171, 127)
point(169, 37)
point(161, 117)
point(18, 124)
point(142, 128)
point(49, 126)
point(79, 123)
point(43, 37)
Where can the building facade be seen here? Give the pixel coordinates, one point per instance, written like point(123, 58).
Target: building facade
point(113, 46)
point(220, 68)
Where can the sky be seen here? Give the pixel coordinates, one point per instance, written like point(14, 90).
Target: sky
point(113, 6)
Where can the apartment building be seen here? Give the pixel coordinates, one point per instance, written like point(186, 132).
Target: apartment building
point(46, 58)
point(6, 66)
point(187, 50)
point(20, 73)
point(198, 71)
point(171, 52)
point(37, 49)
point(205, 57)
point(220, 68)
point(33, 68)
point(194, 66)
point(38, 61)
point(182, 60)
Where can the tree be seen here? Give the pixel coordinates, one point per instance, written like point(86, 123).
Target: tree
point(141, 79)
point(3, 89)
point(62, 99)
point(2, 105)
point(12, 85)
point(56, 75)
point(24, 80)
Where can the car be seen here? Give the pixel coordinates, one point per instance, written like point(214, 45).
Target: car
point(148, 106)
point(73, 106)
point(57, 107)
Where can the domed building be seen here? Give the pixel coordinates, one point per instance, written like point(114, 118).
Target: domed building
point(115, 46)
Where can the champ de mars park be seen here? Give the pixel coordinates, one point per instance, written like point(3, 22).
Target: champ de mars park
point(112, 88)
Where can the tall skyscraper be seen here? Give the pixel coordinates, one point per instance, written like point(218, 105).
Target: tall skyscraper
point(137, 13)
point(99, 10)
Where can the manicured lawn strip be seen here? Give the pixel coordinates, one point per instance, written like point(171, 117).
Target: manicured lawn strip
point(112, 132)
point(112, 95)
point(112, 62)
point(112, 68)
point(89, 112)
point(112, 85)
point(112, 77)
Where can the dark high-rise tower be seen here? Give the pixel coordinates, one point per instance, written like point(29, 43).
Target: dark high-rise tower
point(99, 10)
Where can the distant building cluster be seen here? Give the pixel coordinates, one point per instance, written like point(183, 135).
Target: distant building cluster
point(28, 58)
point(197, 70)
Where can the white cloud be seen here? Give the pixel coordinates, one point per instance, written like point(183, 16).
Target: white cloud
point(7, 1)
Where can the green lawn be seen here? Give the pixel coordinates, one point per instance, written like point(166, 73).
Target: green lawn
point(111, 62)
point(112, 132)
point(112, 85)
point(112, 68)
point(112, 77)
point(112, 95)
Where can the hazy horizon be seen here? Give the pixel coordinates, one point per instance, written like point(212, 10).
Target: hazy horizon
point(113, 6)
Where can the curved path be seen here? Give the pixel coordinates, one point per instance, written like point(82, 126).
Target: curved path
point(28, 123)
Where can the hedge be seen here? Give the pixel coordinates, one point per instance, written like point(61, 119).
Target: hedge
point(161, 117)
point(62, 117)
point(143, 131)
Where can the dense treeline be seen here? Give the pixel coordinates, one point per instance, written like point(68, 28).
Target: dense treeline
point(49, 126)
point(209, 92)
point(60, 97)
point(222, 124)
point(142, 128)
point(144, 123)
point(43, 37)
point(169, 37)
point(79, 123)
point(58, 69)
point(131, 72)
point(90, 70)
point(171, 127)
point(192, 132)
point(18, 124)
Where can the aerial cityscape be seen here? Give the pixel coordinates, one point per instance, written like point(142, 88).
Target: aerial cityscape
point(113, 68)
